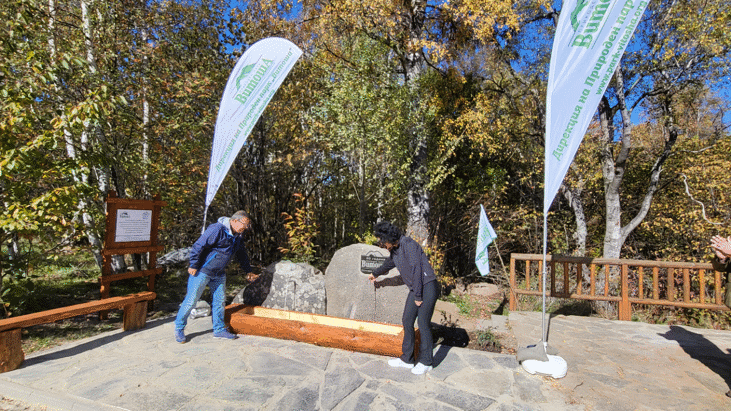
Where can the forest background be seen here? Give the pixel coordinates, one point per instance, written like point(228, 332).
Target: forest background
point(411, 111)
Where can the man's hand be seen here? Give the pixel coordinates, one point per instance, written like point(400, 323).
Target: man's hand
point(251, 277)
point(418, 303)
point(192, 271)
point(371, 278)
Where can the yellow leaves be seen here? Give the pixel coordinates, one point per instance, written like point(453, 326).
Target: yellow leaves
point(481, 17)
point(301, 230)
point(439, 31)
point(692, 27)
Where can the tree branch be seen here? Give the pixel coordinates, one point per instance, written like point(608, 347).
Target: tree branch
point(703, 207)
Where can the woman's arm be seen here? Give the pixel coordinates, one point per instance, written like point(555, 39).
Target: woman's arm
point(387, 266)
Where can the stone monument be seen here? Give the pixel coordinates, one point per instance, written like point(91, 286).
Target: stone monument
point(351, 295)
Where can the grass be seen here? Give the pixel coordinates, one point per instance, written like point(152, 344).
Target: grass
point(488, 341)
point(73, 277)
point(462, 302)
point(45, 336)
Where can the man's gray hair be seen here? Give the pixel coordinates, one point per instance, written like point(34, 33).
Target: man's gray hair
point(241, 214)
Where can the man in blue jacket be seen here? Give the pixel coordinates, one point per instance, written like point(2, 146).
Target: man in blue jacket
point(209, 257)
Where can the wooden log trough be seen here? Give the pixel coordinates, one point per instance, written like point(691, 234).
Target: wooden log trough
point(323, 330)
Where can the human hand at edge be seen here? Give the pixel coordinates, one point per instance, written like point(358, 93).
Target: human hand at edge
point(722, 246)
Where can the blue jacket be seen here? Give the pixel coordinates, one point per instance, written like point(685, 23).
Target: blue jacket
point(412, 264)
point(211, 253)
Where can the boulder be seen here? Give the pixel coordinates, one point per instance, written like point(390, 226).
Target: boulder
point(351, 295)
point(286, 285)
point(483, 289)
point(175, 257)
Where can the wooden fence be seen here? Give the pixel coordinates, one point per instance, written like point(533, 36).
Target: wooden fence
point(626, 282)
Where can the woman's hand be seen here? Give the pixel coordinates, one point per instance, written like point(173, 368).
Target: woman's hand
point(418, 303)
point(192, 271)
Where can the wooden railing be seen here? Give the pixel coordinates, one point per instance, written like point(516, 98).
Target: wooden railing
point(626, 282)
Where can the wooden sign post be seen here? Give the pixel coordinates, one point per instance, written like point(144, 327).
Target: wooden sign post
point(131, 228)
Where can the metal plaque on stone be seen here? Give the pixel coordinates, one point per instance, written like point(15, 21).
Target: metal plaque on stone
point(370, 261)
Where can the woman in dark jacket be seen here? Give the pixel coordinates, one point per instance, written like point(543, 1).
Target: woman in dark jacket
point(408, 257)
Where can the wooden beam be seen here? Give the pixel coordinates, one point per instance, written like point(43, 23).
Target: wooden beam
point(323, 330)
point(106, 279)
point(11, 352)
point(57, 314)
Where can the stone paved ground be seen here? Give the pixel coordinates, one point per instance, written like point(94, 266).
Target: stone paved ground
point(619, 365)
point(147, 370)
point(612, 366)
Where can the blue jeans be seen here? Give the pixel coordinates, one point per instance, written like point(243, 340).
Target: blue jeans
point(196, 285)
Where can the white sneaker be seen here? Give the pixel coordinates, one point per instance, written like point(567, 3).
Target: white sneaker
point(420, 369)
point(397, 362)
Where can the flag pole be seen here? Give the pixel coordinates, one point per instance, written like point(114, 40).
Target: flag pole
point(205, 214)
point(545, 246)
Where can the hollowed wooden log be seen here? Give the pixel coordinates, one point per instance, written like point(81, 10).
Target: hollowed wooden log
point(323, 330)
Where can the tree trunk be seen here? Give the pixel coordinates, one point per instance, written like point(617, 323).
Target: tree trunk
point(612, 179)
point(361, 196)
point(102, 174)
point(573, 196)
point(417, 193)
point(145, 112)
point(614, 169)
point(613, 172)
point(418, 196)
point(71, 148)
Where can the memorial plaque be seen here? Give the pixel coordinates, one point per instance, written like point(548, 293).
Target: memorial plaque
point(368, 263)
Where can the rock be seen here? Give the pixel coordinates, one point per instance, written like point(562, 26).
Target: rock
point(201, 309)
point(483, 289)
point(179, 256)
point(286, 285)
point(338, 384)
point(351, 295)
point(301, 399)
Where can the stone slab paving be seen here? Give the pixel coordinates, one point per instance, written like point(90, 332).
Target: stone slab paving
point(146, 370)
point(621, 365)
point(613, 365)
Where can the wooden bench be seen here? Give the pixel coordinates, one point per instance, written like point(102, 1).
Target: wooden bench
point(11, 352)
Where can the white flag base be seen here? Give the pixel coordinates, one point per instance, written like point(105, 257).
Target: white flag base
point(556, 366)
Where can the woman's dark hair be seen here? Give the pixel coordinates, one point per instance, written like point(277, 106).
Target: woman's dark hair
point(387, 232)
